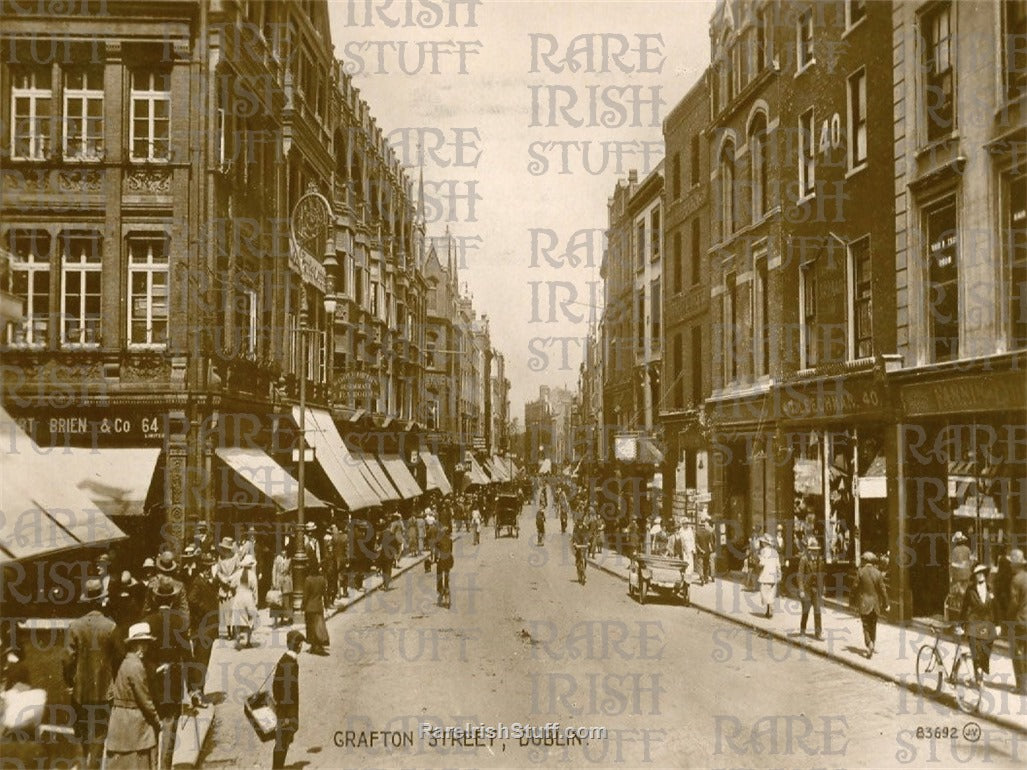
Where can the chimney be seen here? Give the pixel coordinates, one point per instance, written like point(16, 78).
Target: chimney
point(633, 176)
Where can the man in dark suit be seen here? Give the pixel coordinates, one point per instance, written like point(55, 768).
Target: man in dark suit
point(285, 689)
point(704, 551)
point(811, 586)
point(871, 599)
point(91, 657)
point(1017, 614)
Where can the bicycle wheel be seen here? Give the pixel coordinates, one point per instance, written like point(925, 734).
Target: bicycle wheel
point(929, 670)
point(968, 687)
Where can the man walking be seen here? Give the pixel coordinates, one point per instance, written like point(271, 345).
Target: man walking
point(871, 599)
point(91, 658)
point(811, 587)
point(285, 689)
point(704, 551)
point(1017, 614)
point(170, 653)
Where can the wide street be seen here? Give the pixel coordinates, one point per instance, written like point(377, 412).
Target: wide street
point(524, 643)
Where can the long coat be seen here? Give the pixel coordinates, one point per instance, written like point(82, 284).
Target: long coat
point(91, 657)
point(314, 610)
point(133, 716)
point(285, 689)
point(871, 596)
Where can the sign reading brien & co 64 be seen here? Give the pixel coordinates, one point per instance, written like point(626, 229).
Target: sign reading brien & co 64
point(95, 427)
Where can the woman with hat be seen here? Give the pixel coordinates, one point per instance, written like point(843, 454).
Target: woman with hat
point(281, 581)
point(770, 574)
point(132, 733)
point(978, 618)
point(314, 610)
point(244, 603)
point(226, 574)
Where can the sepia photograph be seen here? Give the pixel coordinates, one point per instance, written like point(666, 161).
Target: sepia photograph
point(513, 384)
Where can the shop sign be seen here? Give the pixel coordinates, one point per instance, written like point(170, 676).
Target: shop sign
point(95, 427)
point(831, 398)
point(351, 386)
point(976, 393)
point(625, 447)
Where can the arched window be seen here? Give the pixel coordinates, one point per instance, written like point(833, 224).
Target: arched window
point(759, 164)
point(727, 189)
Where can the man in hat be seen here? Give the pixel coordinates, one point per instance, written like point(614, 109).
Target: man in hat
point(1017, 614)
point(148, 571)
point(203, 622)
point(134, 724)
point(167, 567)
point(871, 599)
point(91, 657)
point(331, 570)
point(811, 587)
point(311, 544)
point(171, 651)
point(189, 566)
point(285, 689)
point(704, 550)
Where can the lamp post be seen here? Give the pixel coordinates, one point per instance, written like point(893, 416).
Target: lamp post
point(311, 220)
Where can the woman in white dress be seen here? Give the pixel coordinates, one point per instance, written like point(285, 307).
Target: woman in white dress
point(770, 574)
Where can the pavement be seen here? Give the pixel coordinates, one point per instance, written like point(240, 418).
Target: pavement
point(896, 649)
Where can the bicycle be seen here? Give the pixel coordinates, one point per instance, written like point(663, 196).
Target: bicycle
point(931, 672)
point(580, 562)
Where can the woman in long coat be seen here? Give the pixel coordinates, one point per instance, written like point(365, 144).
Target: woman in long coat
point(314, 611)
point(978, 618)
point(281, 581)
point(134, 724)
point(226, 575)
point(244, 603)
point(770, 575)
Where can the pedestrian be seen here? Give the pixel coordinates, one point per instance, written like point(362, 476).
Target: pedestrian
point(444, 563)
point(312, 546)
point(811, 587)
point(126, 606)
point(770, 574)
point(189, 567)
point(413, 547)
point(978, 618)
point(285, 691)
point(476, 524)
point(752, 560)
point(281, 581)
point(148, 571)
point(134, 725)
point(1017, 614)
point(203, 622)
point(226, 573)
point(704, 551)
point(166, 567)
point(244, 603)
point(421, 531)
point(314, 610)
point(91, 658)
point(20, 746)
point(430, 535)
point(871, 599)
point(961, 561)
point(688, 546)
point(169, 653)
point(330, 569)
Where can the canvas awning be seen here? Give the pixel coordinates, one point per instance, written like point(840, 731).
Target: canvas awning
point(475, 473)
point(261, 475)
point(435, 475)
point(40, 511)
point(500, 473)
point(343, 471)
point(376, 476)
point(545, 467)
point(400, 475)
point(116, 479)
point(873, 485)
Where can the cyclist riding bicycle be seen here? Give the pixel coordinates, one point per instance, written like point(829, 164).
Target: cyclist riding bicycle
point(580, 541)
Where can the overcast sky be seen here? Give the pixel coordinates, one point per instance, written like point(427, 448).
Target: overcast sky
point(497, 116)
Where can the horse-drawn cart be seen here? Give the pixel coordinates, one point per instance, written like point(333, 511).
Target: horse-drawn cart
point(508, 507)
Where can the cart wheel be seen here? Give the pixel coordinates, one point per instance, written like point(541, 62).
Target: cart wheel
point(643, 590)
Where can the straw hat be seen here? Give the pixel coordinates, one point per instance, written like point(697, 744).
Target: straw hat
point(227, 544)
point(959, 537)
point(140, 632)
point(982, 568)
point(869, 557)
point(813, 543)
point(93, 591)
point(311, 526)
point(1016, 558)
point(148, 563)
point(165, 589)
point(166, 562)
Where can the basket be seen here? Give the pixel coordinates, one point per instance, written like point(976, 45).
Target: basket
point(260, 711)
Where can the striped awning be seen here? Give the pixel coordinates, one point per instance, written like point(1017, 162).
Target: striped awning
point(435, 476)
point(400, 476)
point(375, 475)
point(262, 476)
point(475, 474)
point(331, 453)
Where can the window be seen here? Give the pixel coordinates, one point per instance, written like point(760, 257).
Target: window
point(655, 233)
point(761, 318)
point(31, 108)
point(857, 104)
point(676, 175)
point(861, 319)
point(151, 115)
point(697, 361)
point(679, 264)
point(30, 275)
point(1015, 230)
point(942, 281)
point(694, 162)
point(764, 40)
point(245, 312)
point(148, 291)
point(939, 100)
point(640, 254)
point(804, 40)
point(855, 11)
point(696, 252)
point(1015, 44)
point(808, 314)
point(679, 371)
point(81, 257)
point(83, 113)
point(737, 69)
point(727, 190)
point(640, 308)
point(759, 165)
point(807, 161)
point(656, 309)
point(730, 329)
point(372, 291)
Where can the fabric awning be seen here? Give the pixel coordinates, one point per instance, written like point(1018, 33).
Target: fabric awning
point(544, 467)
point(500, 473)
point(343, 471)
point(269, 480)
point(648, 452)
point(400, 475)
point(117, 479)
point(40, 511)
point(435, 475)
point(475, 474)
point(376, 476)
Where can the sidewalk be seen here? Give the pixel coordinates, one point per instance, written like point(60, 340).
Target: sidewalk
point(233, 674)
point(894, 658)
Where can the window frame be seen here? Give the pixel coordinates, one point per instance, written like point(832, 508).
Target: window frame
point(808, 349)
point(804, 22)
point(35, 265)
point(150, 96)
point(929, 54)
point(761, 313)
point(1015, 87)
point(695, 150)
point(655, 234)
point(850, 5)
point(1015, 269)
point(679, 262)
point(696, 247)
point(946, 201)
point(40, 142)
point(84, 96)
point(807, 155)
point(758, 163)
point(83, 268)
point(149, 268)
point(856, 101)
point(730, 321)
point(728, 208)
point(695, 347)
point(857, 297)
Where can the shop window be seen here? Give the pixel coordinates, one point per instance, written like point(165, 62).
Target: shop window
point(81, 257)
point(942, 281)
point(83, 113)
point(30, 279)
point(31, 112)
point(804, 40)
point(939, 97)
point(861, 317)
point(1015, 48)
point(148, 291)
point(150, 124)
point(1016, 257)
point(807, 155)
point(857, 123)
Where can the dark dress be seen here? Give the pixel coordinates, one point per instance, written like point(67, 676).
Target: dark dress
point(285, 689)
point(979, 621)
point(314, 611)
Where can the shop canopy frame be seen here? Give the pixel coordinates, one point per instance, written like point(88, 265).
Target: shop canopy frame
point(401, 477)
point(475, 473)
point(260, 473)
point(435, 475)
point(344, 472)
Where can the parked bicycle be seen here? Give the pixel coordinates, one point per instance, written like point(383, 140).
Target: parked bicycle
point(931, 672)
